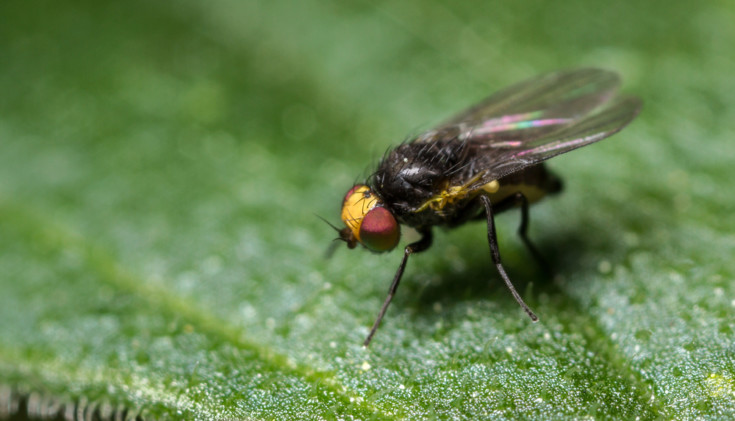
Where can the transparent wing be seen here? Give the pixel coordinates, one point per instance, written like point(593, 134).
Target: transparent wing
point(535, 120)
point(500, 158)
point(559, 96)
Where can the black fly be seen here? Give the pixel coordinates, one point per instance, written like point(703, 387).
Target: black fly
point(485, 160)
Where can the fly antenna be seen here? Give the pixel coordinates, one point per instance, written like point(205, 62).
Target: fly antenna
point(333, 246)
point(328, 223)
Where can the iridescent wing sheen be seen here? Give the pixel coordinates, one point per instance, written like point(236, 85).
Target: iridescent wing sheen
point(508, 156)
point(535, 120)
point(554, 96)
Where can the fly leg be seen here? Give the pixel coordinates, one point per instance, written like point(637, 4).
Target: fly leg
point(420, 245)
point(520, 198)
point(495, 253)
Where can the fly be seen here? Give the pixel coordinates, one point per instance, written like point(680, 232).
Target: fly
point(485, 160)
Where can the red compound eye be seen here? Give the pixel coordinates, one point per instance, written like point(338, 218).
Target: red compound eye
point(379, 230)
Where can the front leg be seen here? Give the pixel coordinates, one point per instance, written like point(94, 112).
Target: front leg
point(422, 244)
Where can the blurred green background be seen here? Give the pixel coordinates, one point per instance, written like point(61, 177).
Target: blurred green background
point(161, 165)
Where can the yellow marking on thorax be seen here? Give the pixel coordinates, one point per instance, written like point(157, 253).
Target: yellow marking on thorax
point(497, 193)
point(453, 194)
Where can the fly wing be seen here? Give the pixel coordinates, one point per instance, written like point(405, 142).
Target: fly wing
point(561, 96)
point(500, 158)
point(535, 120)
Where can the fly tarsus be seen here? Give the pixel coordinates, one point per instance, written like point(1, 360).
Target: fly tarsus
point(422, 244)
point(495, 253)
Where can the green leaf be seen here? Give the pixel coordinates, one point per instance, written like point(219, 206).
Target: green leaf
point(161, 164)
